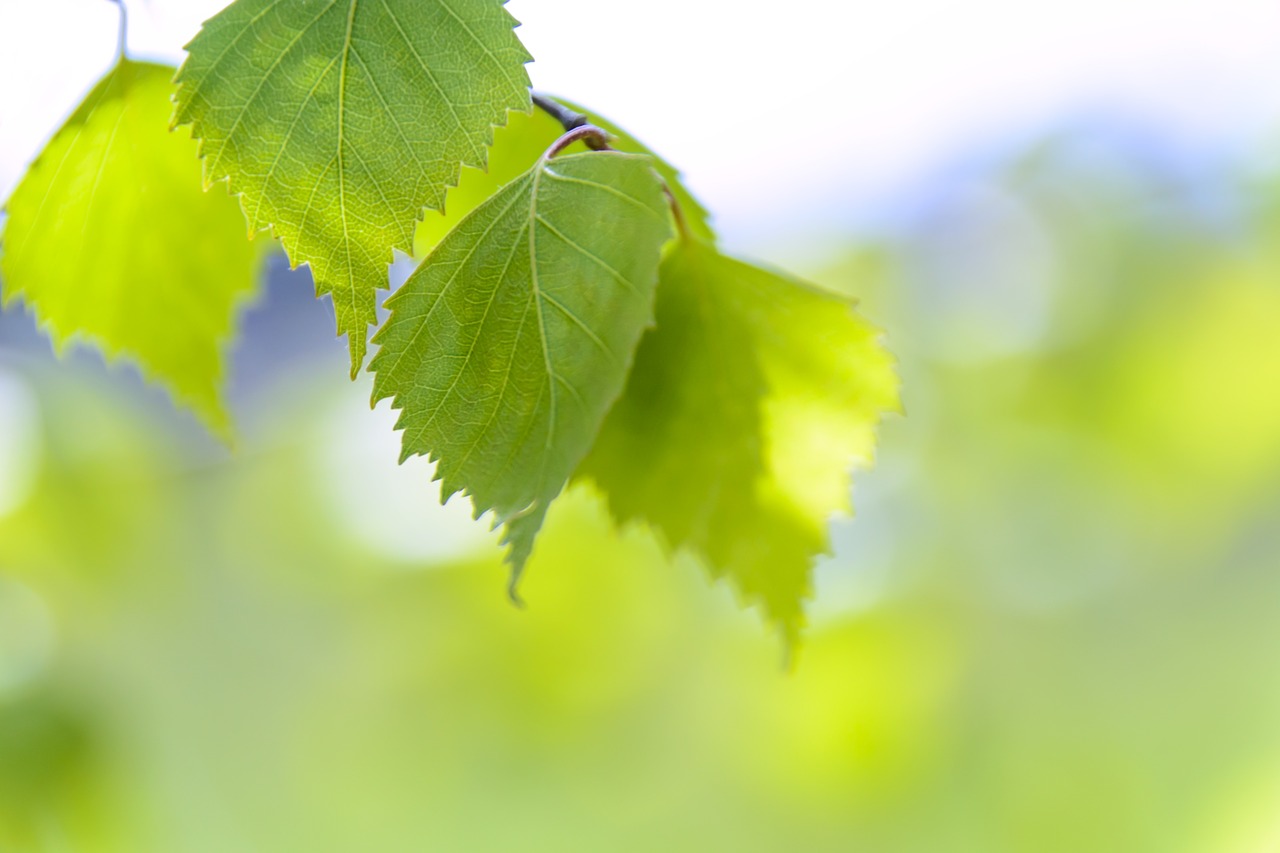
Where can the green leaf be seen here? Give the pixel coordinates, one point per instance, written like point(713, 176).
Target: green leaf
point(338, 123)
point(748, 404)
point(516, 148)
point(505, 349)
point(110, 239)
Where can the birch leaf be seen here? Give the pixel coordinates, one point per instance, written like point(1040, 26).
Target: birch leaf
point(507, 346)
point(337, 123)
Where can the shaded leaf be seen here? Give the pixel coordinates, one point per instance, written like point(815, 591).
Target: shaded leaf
point(338, 123)
point(110, 239)
point(748, 403)
point(507, 346)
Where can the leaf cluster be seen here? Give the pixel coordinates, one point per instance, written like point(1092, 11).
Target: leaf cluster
point(572, 317)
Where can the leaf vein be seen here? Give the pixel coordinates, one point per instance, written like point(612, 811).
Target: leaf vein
point(476, 152)
point(266, 183)
point(588, 254)
point(517, 84)
point(613, 190)
point(581, 325)
point(262, 81)
point(450, 280)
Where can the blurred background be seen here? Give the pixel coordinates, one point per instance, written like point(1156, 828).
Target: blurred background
point(1053, 626)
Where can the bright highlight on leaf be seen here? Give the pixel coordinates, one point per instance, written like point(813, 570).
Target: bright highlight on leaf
point(110, 239)
point(505, 349)
point(339, 122)
point(746, 407)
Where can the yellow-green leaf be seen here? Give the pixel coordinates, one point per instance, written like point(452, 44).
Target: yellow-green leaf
point(109, 239)
point(748, 404)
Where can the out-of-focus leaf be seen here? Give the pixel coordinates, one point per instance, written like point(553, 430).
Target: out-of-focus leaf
point(747, 406)
point(506, 348)
point(339, 122)
point(110, 239)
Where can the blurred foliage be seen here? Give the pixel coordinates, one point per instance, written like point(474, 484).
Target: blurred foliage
point(75, 254)
point(1052, 627)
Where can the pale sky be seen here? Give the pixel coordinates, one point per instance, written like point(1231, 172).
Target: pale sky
point(780, 114)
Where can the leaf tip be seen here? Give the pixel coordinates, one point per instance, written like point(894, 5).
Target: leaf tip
point(513, 591)
point(790, 650)
point(357, 341)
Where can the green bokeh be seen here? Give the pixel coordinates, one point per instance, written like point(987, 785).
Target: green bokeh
point(1053, 626)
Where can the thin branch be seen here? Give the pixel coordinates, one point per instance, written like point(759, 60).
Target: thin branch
point(567, 117)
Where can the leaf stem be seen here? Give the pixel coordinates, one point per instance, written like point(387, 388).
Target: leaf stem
point(677, 212)
point(578, 127)
point(595, 138)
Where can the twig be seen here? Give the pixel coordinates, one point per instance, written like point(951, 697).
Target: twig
point(567, 117)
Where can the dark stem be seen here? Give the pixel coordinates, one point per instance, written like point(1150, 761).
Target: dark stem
point(578, 127)
point(567, 117)
point(122, 44)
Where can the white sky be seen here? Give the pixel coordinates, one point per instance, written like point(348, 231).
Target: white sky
point(777, 112)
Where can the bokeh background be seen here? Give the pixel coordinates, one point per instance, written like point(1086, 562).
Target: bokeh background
point(1053, 626)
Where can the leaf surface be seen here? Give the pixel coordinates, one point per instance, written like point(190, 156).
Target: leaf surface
point(505, 349)
point(748, 403)
point(339, 122)
point(516, 147)
point(110, 239)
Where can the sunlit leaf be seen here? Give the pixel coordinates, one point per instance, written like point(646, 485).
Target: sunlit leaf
point(747, 406)
point(507, 346)
point(110, 240)
point(338, 123)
